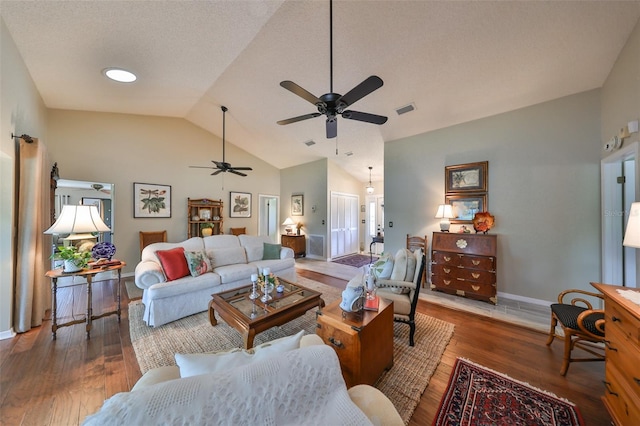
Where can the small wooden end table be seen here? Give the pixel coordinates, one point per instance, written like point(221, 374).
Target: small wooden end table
point(251, 317)
point(88, 274)
point(363, 340)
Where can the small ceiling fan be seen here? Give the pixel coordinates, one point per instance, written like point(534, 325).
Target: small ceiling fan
point(333, 104)
point(100, 188)
point(223, 166)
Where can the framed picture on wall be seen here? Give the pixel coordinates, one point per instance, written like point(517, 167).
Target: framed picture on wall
point(465, 206)
point(297, 205)
point(471, 177)
point(239, 204)
point(151, 200)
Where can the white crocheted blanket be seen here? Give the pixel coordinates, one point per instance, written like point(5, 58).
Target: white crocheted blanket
point(299, 387)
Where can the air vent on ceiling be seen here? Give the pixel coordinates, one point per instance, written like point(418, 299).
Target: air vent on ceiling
point(348, 154)
point(309, 143)
point(405, 109)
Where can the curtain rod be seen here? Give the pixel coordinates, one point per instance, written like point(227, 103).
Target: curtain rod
point(26, 137)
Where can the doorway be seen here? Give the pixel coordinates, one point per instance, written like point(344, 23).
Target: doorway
point(344, 224)
point(374, 223)
point(268, 216)
point(620, 188)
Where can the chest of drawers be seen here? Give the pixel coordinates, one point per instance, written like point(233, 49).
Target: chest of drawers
point(465, 265)
point(297, 243)
point(622, 356)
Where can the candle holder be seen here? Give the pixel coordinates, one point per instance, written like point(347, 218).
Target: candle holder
point(254, 287)
point(268, 288)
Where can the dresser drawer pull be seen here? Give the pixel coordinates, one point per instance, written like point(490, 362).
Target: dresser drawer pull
point(475, 287)
point(446, 270)
point(447, 259)
point(446, 282)
point(475, 275)
point(460, 279)
point(475, 262)
point(335, 342)
point(607, 343)
point(616, 319)
point(606, 385)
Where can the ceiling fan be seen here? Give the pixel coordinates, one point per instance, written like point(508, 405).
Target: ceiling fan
point(99, 187)
point(223, 166)
point(333, 104)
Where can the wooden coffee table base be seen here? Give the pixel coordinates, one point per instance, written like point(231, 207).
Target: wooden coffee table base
point(266, 317)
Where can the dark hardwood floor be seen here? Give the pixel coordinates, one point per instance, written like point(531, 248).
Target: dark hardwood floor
point(60, 382)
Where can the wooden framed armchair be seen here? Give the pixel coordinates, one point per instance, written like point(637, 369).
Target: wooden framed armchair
point(417, 242)
point(583, 326)
point(150, 237)
point(238, 231)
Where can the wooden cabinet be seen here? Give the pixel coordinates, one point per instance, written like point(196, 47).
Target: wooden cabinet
point(363, 341)
point(622, 355)
point(201, 211)
point(465, 265)
point(297, 243)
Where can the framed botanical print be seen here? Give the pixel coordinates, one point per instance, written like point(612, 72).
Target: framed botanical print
point(239, 204)
point(297, 205)
point(462, 178)
point(151, 200)
point(465, 206)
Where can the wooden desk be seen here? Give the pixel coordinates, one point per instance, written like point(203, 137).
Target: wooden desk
point(622, 355)
point(363, 341)
point(88, 274)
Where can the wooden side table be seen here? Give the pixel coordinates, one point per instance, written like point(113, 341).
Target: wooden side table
point(363, 341)
point(88, 274)
point(297, 243)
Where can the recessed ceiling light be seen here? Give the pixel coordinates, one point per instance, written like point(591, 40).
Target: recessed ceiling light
point(120, 75)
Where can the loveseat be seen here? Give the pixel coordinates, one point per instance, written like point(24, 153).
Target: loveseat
point(293, 380)
point(178, 279)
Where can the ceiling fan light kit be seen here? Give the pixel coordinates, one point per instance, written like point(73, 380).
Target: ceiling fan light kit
point(223, 166)
point(333, 104)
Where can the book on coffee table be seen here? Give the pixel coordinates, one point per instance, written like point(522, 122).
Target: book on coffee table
point(372, 304)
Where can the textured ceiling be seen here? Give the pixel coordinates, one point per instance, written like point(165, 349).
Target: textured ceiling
point(456, 60)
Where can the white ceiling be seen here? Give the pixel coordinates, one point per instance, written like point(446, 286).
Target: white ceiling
point(456, 60)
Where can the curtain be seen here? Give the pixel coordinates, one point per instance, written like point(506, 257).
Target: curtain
point(31, 288)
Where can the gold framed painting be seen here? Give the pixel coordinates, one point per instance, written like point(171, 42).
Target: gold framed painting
point(465, 178)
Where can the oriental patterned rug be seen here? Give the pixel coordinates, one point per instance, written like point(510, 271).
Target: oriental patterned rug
point(478, 396)
point(356, 260)
point(403, 384)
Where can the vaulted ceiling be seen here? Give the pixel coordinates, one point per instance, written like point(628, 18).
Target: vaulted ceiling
point(456, 61)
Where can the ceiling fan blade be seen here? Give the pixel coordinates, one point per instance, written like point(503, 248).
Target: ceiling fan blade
point(299, 118)
point(236, 173)
point(240, 168)
point(332, 128)
point(297, 90)
point(360, 91)
point(201, 167)
point(364, 116)
point(217, 172)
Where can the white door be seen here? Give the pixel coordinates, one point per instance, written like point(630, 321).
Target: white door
point(268, 216)
point(344, 224)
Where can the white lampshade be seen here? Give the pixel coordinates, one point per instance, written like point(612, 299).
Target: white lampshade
point(80, 221)
point(632, 234)
point(445, 212)
point(288, 223)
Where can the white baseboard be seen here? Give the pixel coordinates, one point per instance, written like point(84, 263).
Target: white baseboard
point(524, 299)
point(7, 334)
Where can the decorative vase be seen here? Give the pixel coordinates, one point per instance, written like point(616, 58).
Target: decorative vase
point(70, 266)
point(207, 232)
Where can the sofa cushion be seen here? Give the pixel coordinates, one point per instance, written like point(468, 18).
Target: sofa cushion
point(198, 262)
point(276, 265)
point(184, 285)
point(237, 272)
point(271, 251)
point(196, 364)
point(227, 256)
point(254, 252)
point(149, 252)
point(383, 267)
point(174, 264)
point(220, 241)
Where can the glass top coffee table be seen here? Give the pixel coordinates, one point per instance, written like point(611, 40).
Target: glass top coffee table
point(251, 317)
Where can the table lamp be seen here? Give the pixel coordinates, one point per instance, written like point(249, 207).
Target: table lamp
point(632, 234)
point(78, 221)
point(288, 223)
point(445, 212)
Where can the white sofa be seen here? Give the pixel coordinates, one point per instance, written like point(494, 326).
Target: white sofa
point(233, 260)
point(301, 386)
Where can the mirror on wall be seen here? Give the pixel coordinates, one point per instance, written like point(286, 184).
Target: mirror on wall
point(100, 194)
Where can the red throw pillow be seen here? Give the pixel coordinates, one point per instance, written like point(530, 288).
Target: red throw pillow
point(173, 263)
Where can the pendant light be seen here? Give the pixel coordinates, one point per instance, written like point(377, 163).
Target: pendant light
point(370, 187)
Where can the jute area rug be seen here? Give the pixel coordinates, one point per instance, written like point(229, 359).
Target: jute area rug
point(477, 395)
point(403, 384)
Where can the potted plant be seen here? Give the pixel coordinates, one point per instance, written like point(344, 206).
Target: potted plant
point(74, 260)
point(206, 229)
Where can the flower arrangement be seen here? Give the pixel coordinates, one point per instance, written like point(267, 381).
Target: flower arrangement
point(298, 226)
point(270, 279)
point(73, 255)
